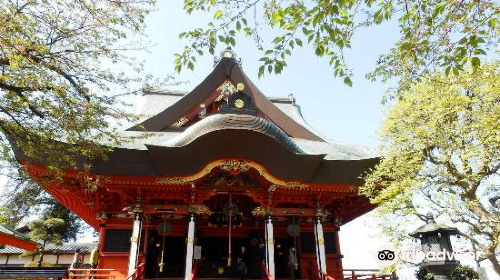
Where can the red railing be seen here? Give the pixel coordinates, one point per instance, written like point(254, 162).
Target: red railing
point(86, 274)
point(196, 267)
point(105, 274)
point(266, 275)
point(138, 273)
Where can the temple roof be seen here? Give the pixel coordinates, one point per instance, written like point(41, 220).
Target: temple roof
point(331, 150)
point(153, 100)
point(207, 92)
point(65, 248)
point(10, 236)
point(278, 117)
point(181, 132)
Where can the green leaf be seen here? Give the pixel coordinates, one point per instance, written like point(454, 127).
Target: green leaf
point(475, 61)
point(348, 81)
point(218, 14)
point(261, 71)
point(447, 70)
point(479, 52)
point(492, 23)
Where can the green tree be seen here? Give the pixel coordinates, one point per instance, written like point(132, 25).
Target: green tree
point(59, 61)
point(433, 33)
point(24, 198)
point(441, 146)
point(46, 231)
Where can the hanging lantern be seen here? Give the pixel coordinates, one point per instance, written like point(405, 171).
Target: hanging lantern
point(164, 228)
point(293, 230)
point(225, 209)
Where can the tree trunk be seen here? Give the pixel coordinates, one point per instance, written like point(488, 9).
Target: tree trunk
point(40, 260)
point(496, 264)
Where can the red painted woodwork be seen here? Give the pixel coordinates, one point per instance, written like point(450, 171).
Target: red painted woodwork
point(17, 242)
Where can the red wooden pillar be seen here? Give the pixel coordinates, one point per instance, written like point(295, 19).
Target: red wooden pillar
point(339, 265)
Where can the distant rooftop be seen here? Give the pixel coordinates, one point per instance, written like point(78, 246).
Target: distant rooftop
point(65, 248)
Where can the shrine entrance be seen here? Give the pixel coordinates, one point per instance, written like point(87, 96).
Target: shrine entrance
point(214, 262)
point(172, 259)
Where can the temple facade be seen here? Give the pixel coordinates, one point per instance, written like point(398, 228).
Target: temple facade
point(211, 171)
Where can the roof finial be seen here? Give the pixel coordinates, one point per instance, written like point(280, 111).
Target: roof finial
point(227, 53)
point(430, 218)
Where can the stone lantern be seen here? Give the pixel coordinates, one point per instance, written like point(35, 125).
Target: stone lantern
point(435, 241)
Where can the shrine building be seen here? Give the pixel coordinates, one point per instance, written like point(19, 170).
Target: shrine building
point(211, 171)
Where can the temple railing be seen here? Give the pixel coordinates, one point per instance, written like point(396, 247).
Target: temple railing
point(105, 274)
point(196, 268)
point(363, 274)
point(96, 273)
point(266, 275)
point(357, 274)
point(138, 273)
point(351, 274)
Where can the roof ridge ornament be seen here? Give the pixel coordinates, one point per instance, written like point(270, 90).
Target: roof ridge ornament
point(227, 53)
point(239, 103)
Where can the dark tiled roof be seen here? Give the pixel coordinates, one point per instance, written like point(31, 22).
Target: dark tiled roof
point(234, 121)
point(65, 248)
point(226, 68)
point(433, 227)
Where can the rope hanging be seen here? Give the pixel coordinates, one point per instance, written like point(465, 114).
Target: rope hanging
point(230, 208)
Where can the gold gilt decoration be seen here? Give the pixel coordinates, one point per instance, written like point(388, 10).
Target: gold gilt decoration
point(219, 98)
point(290, 185)
point(231, 165)
point(227, 88)
point(262, 211)
point(235, 166)
point(238, 103)
point(180, 122)
point(172, 181)
point(240, 86)
point(199, 209)
point(321, 213)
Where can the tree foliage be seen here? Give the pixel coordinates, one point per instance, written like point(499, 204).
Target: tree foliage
point(464, 272)
point(46, 231)
point(445, 33)
point(441, 145)
point(461, 272)
point(58, 64)
point(23, 199)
